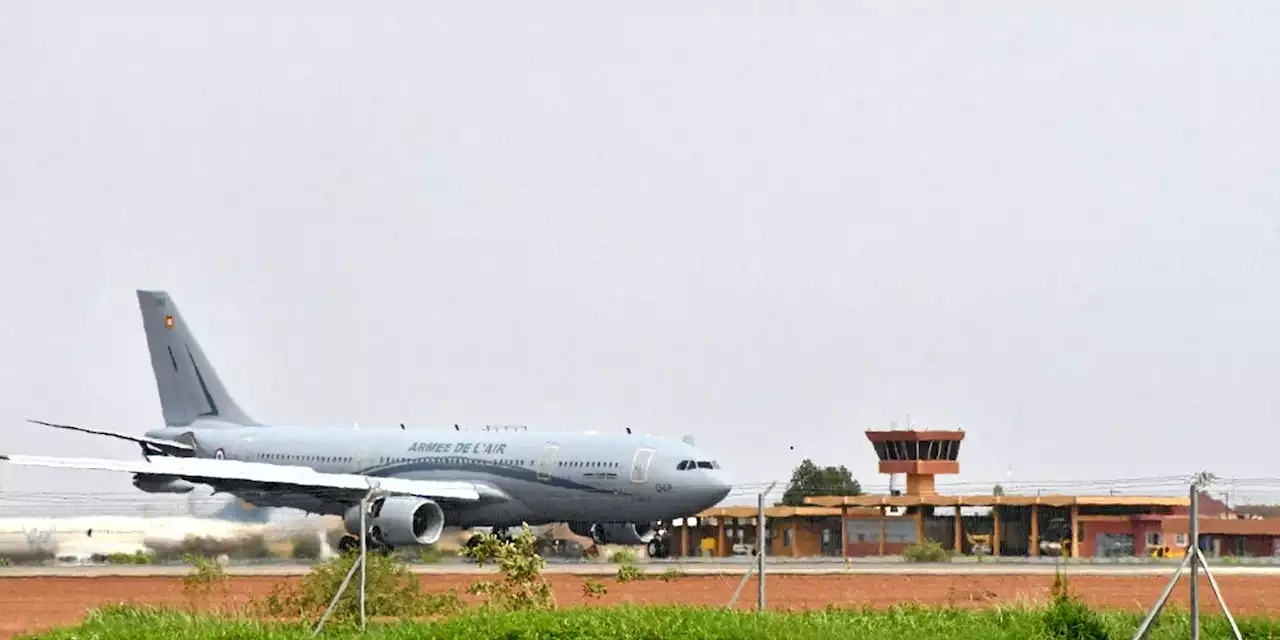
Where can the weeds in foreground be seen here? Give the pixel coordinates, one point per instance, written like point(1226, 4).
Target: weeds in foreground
point(927, 551)
point(593, 589)
point(659, 623)
point(206, 578)
point(137, 557)
point(391, 590)
point(629, 572)
point(672, 574)
point(623, 556)
point(1067, 616)
point(523, 586)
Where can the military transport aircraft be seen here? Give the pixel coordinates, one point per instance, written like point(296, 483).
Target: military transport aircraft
point(611, 487)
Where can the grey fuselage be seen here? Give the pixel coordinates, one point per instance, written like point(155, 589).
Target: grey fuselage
point(526, 476)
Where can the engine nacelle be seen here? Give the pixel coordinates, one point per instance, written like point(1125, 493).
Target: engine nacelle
point(624, 533)
point(399, 521)
point(154, 483)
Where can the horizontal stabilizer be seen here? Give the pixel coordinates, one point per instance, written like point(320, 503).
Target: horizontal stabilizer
point(236, 472)
point(171, 445)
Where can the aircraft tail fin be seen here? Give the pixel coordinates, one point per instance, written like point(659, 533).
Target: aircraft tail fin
point(189, 388)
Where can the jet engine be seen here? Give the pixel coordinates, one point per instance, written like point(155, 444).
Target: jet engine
point(399, 521)
point(156, 483)
point(624, 533)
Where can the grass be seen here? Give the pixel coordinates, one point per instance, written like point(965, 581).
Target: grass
point(656, 623)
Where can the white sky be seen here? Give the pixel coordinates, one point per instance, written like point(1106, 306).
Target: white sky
point(770, 225)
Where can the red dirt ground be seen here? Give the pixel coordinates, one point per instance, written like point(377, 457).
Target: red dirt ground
point(38, 604)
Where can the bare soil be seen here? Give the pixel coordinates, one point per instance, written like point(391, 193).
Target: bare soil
point(41, 603)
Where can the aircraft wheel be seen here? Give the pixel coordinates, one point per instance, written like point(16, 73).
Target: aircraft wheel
point(655, 549)
point(348, 543)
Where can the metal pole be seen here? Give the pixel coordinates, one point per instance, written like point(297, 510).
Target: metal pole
point(1192, 550)
point(1160, 602)
point(761, 545)
point(760, 556)
point(1217, 593)
point(333, 603)
point(741, 583)
point(364, 551)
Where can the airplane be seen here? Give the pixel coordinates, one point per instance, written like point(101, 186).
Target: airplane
point(613, 488)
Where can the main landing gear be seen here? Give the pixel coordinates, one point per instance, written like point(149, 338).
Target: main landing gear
point(502, 533)
point(350, 543)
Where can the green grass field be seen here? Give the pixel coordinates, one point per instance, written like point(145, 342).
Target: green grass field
point(661, 623)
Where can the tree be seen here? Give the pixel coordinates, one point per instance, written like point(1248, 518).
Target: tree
point(997, 490)
point(809, 479)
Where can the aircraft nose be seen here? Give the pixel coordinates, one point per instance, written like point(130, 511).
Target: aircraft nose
point(719, 486)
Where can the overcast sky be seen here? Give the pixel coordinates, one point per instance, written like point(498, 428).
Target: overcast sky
point(769, 225)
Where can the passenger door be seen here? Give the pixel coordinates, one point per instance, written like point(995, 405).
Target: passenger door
point(547, 462)
point(640, 465)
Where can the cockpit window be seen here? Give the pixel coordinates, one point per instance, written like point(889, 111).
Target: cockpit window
point(705, 464)
point(684, 464)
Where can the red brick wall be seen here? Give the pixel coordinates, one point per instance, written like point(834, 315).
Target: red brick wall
point(1258, 546)
point(1136, 528)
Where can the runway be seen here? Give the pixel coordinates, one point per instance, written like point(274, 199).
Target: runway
point(692, 567)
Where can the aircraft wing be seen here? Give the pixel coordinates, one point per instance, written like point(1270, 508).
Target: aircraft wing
point(171, 447)
point(236, 473)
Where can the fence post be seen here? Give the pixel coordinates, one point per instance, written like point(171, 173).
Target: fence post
point(761, 544)
point(1194, 546)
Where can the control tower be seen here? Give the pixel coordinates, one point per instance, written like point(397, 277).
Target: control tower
point(919, 454)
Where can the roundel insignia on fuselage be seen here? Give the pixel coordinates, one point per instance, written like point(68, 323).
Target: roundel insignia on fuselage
point(218, 455)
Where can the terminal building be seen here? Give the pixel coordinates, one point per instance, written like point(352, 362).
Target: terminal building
point(1001, 525)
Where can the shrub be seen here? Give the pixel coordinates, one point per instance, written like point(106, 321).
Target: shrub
point(390, 590)
point(927, 551)
point(623, 556)
point(629, 572)
point(523, 585)
point(593, 589)
point(1068, 618)
point(137, 557)
point(206, 576)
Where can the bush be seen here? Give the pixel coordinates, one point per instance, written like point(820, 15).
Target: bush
point(137, 557)
point(390, 591)
point(927, 551)
point(593, 589)
point(629, 572)
point(1068, 618)
point(623, 556)
point(523, 585)
point(206, 576)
